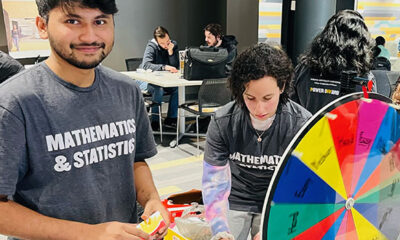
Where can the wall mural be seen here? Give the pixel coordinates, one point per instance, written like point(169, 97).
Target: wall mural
point(383, 19)
point(270, 20)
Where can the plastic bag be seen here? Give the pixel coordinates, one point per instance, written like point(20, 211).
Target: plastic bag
point(192, 223)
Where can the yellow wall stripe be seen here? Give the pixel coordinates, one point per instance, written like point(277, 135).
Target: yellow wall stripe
point(270, 26)
point(273, 35)
point(378, 4)
point(270, 14)
point(379, 18)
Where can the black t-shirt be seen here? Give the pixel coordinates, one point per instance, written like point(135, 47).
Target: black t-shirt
point(314, 93)
point(232, 138)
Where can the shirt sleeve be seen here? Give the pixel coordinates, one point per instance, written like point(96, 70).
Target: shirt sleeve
point(216, 151)
point(13, 152)
point(149, 57)
point(145, 144)
point(216, 188)
point(216, 183)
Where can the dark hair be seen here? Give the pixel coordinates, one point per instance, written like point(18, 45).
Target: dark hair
point(344, 44)
point(259, 61)
point(215, 29)
point(380, 41)
point(376, 51)
point(160, 32)
point(45, 6)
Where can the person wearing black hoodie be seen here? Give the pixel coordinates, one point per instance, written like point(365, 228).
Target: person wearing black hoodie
point(214, 38)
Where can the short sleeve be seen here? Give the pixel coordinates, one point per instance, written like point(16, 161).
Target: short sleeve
point(145, 145)
point(216, 151)
point(13, 152)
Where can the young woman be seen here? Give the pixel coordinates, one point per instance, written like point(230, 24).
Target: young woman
point(343, 46)
point(246, 140)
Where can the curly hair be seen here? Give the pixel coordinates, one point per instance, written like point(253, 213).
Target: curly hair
point(259, 61)
point(344, 44)
point(45, 6)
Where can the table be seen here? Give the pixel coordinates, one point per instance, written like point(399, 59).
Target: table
point(167, 79)
point(163, 79)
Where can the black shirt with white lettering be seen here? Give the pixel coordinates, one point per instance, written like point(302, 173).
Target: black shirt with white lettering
point(232, 139)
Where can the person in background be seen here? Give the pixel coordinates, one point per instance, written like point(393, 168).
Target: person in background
point(398, 49)
point(343, 45)
point(8, 66)
point(15, 36)
point(74, 136)
point(380, 43)
point(246, 139)
point(214, 37)
point(161, 54)
point(381, 55)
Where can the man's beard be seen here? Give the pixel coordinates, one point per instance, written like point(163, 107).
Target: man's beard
point(212, 44)
point(73, 60)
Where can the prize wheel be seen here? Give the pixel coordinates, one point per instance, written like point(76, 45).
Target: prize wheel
point(339, 177)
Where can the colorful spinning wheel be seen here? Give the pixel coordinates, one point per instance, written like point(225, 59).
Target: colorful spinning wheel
point(339, 178)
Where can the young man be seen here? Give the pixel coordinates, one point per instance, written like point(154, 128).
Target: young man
point(161, 54)
point(214, 38)
point(74, 136)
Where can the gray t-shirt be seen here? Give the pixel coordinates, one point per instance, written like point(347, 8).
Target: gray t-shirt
point(68, 152)
point(232, 138)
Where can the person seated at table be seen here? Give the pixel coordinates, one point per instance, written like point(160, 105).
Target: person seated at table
point(246, 139)
point(381, 55)
point(161, 54)
point(214, 37)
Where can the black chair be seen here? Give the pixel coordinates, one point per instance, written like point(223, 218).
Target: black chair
point(381, 63)
point(213, 94)
point(393, 76)
point(131, 65)
point(382, 82)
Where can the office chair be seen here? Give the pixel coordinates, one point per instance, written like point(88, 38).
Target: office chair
point(382, 82)
point(212, 95)
point(131, 65)
point(393, 76)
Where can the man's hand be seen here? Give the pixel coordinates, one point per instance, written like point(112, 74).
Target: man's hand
point(171, 48)
point(171, 69)
point(153, 206)
point(114, 230)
